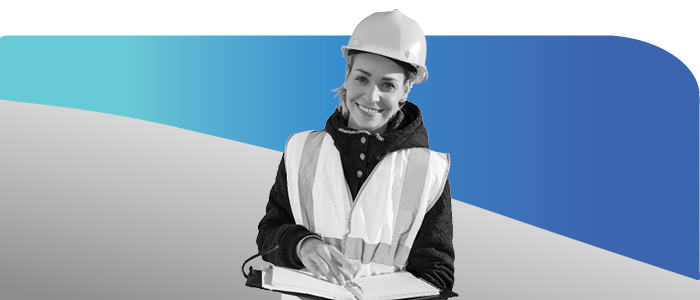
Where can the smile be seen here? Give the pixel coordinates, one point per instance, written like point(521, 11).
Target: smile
point(368, 110)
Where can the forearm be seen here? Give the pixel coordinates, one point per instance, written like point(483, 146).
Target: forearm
point(286, 236)
point(277, 227)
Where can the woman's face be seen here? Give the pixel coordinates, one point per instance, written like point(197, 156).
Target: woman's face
point(375, 87)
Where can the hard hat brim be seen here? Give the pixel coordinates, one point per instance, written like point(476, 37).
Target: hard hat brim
point(421, 71)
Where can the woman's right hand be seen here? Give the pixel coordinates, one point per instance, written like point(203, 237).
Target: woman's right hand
point(324, 260)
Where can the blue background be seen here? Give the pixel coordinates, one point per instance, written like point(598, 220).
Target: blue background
point(594, 138)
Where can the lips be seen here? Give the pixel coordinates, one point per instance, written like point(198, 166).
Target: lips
point(369, 110)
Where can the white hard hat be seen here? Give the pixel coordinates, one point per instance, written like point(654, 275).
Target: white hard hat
point(393, 35)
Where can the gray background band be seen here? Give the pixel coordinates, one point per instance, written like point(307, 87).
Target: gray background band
point(97, 206)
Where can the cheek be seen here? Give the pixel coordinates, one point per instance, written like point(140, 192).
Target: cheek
point(352, 92)
point(393, 103)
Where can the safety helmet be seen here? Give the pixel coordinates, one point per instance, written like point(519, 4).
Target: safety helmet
point(393, 35)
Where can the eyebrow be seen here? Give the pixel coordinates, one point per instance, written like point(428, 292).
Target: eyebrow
point(370, 75)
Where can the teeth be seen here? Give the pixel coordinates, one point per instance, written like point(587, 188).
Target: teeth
point(367, 109)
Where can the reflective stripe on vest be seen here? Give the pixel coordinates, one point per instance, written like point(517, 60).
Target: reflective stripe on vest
point(379, 228)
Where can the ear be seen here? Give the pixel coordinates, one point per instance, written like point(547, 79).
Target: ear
point(406, 89)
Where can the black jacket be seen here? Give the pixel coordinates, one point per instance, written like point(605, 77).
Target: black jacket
point(432, 254)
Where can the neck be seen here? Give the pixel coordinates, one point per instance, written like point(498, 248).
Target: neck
point(379, 130)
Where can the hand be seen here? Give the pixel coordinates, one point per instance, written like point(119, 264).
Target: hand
point(324, 260)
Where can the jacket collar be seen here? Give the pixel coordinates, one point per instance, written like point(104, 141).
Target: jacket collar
point(405, 131)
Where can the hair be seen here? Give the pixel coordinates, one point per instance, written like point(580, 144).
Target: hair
point(409, 78)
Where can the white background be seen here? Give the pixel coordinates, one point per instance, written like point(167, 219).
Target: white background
point(671, 25)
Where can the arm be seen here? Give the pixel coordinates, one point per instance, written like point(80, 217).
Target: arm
point(432, 255)
point(277, 227)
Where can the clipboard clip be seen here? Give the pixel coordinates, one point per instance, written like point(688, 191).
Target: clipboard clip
point(253, 257)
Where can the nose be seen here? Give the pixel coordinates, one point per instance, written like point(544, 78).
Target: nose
point(372, 94)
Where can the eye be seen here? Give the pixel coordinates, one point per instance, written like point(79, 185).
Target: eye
point(361, 79)
point(389, 85)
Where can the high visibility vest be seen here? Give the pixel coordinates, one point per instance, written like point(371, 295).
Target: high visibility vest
point(377, 230)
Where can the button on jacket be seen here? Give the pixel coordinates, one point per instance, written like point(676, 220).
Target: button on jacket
point(432, 254)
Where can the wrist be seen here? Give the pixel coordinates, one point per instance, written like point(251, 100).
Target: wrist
point(298, 248)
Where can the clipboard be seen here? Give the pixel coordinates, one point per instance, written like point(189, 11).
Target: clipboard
point(255, 279)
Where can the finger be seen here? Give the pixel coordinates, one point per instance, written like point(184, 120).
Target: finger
point(332, 272)
point(343, 260)
point(332, 280)
point(321, 264)
point(345, 268)
point(325, 269)
point(337, 273)
point(311, 266)
point(325, 255)
point(348, 275)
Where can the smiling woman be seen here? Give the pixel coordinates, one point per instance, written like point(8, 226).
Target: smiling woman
point(365, 196)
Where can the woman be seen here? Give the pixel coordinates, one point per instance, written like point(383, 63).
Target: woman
point(365, 196)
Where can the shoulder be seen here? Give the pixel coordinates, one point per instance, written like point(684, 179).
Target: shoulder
point(301, 137)
point(424, 154)
point(299, 143)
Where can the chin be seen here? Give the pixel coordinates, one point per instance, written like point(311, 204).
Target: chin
point(365, 122)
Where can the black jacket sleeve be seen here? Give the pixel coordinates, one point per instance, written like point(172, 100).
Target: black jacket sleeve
point(277, 227)
point(432, 255)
